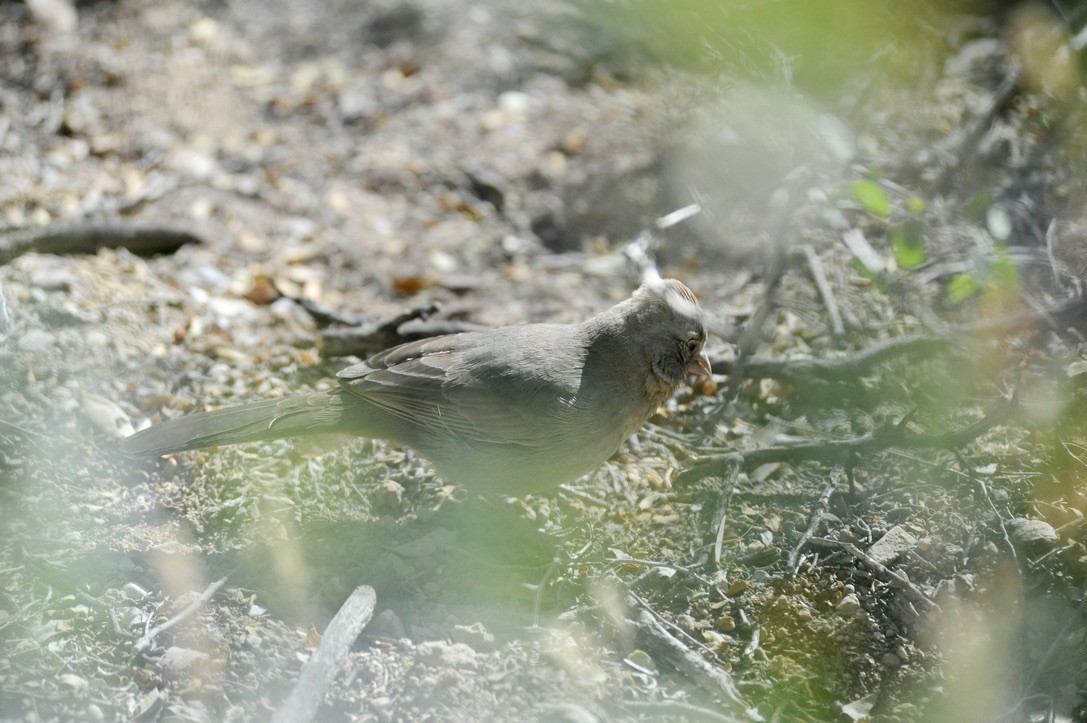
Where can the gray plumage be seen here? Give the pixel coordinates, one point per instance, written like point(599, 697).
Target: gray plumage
point(512, 410)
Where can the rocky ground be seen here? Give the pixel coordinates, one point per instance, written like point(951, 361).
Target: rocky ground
point(830, 533)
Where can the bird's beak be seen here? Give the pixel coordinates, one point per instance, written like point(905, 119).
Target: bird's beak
point(699, 365)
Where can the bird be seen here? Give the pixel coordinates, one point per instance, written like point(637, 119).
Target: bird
point(511, 410)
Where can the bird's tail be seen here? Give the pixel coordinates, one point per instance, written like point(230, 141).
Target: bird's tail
point(270, 419)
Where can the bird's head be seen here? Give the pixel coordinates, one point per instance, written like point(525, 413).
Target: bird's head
point(670, 321)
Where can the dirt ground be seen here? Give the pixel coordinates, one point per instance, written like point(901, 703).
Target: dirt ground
point(878, 513)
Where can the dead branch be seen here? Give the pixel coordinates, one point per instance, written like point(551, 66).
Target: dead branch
point(716, 681)
point(846, 452)
point(837, 328)
point(892, 577)
point(1059, 318)
point(317, 673)
point(363, 342)
point(793, 562)
point(88, 238)
point(145, 642)
point(837, 369)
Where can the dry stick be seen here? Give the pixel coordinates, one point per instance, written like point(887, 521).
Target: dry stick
point(308, 693)
point(836, 327)
point(848, 368)
point(637, 255)
point(87, 238)
point(749, 338)
point(894, 577)
point(719, 538)
point(816, 517)
point(366, 341)
point(842, 368)
point(713, 679)
point(845, 451)
point(148, 637)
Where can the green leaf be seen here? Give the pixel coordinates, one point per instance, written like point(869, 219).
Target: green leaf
point(915, 205)
point(962, 287)
point(977, 206)
point(1002, 278)
point(872, 198)
point(908, 244)
point(863, 270)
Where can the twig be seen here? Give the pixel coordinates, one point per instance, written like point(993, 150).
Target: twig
point(713, 679)
point(846, 451)
point(1050, 238)
point(87, 238)
point(843, 368)
point(637, 254)
point(363, 338)
point(719, 537)
point(308, 693)
point(893, 577)
point(779, 212)
point(364, 342)
point(816, 517)
point(837, 329)
point(847, 368)
point(145, 642)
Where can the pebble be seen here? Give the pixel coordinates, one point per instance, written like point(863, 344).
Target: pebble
point(894, 543)
point(386, 624)
point(52, 279)
point(177, 661)
point(37, 340)
point(1032, 532)
point(457, 655)
point(849, 605)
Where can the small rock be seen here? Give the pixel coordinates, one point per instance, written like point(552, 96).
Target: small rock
point(177, 662)
point(442, 262)
point(642, 661)
point(849, 605)
point(59, 16)
point(386, 624)
point(388, 498)
point(892, 545)
point(73, 681)
point(1032, 532)
point(474, 635)
point(193, 163)
point(860, 709)
point(51, 279)
point(358, 103)
point(36, 340)
point(457, 655)
point(725, 623)
point(107, 416)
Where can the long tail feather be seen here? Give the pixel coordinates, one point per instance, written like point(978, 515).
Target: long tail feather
point(270, 419)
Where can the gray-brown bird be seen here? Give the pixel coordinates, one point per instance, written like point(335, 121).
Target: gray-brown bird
point(510, 410)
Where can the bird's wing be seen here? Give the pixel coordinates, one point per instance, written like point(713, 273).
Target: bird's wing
point(487, 387)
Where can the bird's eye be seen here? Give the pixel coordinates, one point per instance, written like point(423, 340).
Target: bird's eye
point(692, 346)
